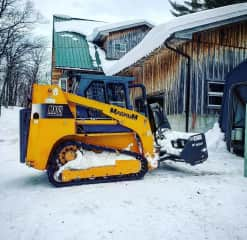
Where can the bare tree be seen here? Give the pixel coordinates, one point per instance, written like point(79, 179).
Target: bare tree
point(191, 6)
point(20, 54)
point(32, 70)
point(14, 19)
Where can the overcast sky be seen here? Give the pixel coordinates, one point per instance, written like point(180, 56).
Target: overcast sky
point(156, 11)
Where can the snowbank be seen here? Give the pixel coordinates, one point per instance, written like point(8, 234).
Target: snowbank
point(215, 139)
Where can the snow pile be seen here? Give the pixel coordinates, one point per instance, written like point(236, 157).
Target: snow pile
point(89, 159)
point(169, 136)
point(159, 34)
point(215, 139)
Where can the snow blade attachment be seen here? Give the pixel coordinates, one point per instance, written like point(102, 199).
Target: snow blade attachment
point(195, 150)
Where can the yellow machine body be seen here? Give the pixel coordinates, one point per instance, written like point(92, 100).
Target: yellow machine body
point(46, 133)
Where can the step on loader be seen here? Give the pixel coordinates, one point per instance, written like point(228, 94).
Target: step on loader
point(99, 132)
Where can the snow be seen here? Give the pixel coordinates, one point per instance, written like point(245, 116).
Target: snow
point(89, 159)
point(176, 201)
point(83, 27)
point(157, 36)
point(105, 29)
point(106, 64)
point(92, 53)
point(69, 36)
point(170, 135)
point(92, 28)
point(214, 139)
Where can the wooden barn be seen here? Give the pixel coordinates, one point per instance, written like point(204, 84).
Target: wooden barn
point(183, 63)
point(87, 46)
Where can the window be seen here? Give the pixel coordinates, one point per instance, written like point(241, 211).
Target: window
point(215, 94)
point(120, 47)
point(116, 94)
point(96, 91)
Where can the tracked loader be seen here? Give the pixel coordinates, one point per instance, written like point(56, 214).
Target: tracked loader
point(98, 132)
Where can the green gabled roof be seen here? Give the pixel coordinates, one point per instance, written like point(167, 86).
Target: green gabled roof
point(72, 50)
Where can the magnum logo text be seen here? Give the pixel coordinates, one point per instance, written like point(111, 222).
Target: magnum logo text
point(124, 114)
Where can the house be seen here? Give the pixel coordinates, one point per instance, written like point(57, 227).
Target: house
point(184, 62)
point(88, 46)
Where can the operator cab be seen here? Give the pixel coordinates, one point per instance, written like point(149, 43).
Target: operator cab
point(112, 90)
point(118, 91)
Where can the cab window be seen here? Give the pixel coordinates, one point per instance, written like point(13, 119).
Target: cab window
point(116, 94)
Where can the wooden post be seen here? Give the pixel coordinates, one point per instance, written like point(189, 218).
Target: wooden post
point(245, 144)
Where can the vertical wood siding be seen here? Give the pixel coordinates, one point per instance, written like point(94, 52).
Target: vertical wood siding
point(213, 54)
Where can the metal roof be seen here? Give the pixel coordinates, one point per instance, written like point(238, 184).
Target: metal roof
point(71, 50)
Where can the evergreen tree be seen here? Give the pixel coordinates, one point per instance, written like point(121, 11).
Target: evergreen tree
point(196, 5)
point(220, 3)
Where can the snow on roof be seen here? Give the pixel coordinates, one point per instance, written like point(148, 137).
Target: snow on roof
point(105, 64)
point(92, 29)
point(157, 36)
point(84, 27)
point(112, 27)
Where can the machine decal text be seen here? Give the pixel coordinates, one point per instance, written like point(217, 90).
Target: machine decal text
point(55, 110)
point(124, 114)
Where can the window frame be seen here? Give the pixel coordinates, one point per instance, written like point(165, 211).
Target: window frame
point(217, 94)
point(125, 94)
point(121, 44)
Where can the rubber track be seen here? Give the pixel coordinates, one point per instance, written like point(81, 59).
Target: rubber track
point(127, 177)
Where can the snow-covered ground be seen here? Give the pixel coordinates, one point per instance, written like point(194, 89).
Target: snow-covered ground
point(177, 201)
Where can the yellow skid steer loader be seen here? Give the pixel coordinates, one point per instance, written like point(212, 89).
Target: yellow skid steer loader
point(97, 132)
